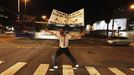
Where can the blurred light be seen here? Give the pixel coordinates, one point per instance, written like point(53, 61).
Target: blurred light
point(132, 6)
point(1, 15)
point(25, 0)
point(6, 16)
point(44, 17)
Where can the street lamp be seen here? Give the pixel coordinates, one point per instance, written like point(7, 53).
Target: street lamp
point(132, 6)
point(44, 17)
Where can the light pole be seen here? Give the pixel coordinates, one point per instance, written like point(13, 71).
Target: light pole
point(26, 5)
point(18, 10)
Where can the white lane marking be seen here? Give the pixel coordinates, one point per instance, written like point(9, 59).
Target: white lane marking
point(71, 47)
point(1, 62)
point(42, 69)
point(116, 71)
point(13, 69)
point(132, 69)
point(92, 70)
point(26, 47)
point(106, 47)
point(67, 70)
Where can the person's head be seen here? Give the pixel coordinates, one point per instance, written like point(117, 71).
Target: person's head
point(62, 31)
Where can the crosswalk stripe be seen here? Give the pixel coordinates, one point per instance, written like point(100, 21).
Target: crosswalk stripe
point(1, 62)
point(116, 71)
point(42, 69)
point(67, 70)
point(12, 70)
point(92, 70)
point(132, 69)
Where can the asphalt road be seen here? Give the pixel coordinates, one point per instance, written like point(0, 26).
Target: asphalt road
point(33, 57)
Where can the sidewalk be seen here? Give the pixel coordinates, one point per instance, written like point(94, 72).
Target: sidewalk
point(103, 40)
point(7, 37)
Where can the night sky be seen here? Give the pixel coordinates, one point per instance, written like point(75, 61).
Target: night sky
point(94, 9)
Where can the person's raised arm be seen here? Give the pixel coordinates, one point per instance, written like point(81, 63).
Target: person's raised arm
point(50, 32)
point(78, 36)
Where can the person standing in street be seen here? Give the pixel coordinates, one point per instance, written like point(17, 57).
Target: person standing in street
point(63, 37)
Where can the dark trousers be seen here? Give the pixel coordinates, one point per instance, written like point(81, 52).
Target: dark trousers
point(61, 51)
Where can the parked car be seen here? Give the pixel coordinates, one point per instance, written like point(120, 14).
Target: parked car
point(119, 40)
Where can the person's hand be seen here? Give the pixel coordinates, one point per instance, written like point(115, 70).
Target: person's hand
point(82, 34)
point(46, 29)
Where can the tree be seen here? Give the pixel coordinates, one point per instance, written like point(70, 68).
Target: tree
point(107, 20)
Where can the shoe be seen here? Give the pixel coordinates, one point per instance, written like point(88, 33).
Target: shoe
point(55, 67)
point(76, 66)
point(51, 69)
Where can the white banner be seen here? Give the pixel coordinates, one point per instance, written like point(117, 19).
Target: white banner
point(59, 17)
point(77, 17)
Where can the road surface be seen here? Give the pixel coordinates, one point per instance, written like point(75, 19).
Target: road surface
point(33, 57)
